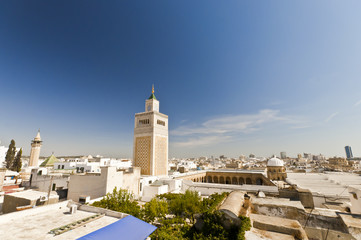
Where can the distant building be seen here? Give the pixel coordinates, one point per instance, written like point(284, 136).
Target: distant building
point(35, 151)
point(348, 152)
point(234, 165)
point(276, 169)
point(151, 139)
point(308, 156)
point(338, 161)
point(283, 155)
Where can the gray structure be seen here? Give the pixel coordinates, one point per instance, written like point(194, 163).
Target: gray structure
point(348, 152)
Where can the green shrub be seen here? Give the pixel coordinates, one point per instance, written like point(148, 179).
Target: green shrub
point(120, 201)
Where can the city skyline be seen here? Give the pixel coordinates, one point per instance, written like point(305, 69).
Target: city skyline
point(235, 78)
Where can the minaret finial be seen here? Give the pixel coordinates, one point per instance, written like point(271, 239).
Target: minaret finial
point(152, 88)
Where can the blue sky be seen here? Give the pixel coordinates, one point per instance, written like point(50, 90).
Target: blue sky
point(235, 77)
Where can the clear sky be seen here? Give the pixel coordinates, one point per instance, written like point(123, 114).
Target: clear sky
point(235, 77)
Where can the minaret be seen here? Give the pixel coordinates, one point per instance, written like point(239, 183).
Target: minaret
point(35, 150)
point(150, 149)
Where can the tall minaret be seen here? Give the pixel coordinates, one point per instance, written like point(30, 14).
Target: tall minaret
point(150, 149)
point(35, 150)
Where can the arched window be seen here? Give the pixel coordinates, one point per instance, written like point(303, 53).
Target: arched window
point(209, 179)
point(234, 181)
point(259, 181)
point(215, 179)
point(228, 180)
point(241, 181)
point(221, 179)
point(248, 181)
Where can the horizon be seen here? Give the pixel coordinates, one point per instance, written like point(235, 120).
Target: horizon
point(234, 77)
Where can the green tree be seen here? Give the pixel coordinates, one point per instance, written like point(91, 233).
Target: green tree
point(155, 208)
point(170, 229)
point(213, 201)
point(17, 161)
point(10, 155)
point(186, 205)
point(121, 201)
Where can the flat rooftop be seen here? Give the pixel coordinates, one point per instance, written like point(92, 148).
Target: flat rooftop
point(32, 194)
point(244, 187)
point(277, 202)
point(36, 223)
point(328, 184)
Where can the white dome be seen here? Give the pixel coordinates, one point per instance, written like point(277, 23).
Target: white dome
point(275, 162)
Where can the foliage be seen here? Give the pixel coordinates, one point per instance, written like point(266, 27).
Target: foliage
point(175, 228)
point(155, 208)
point(183, 206)
point(245, 226)
point(186, 205)
point(121, 201)
point(169, 196)
point(16, 166)
point(211, 203)
point(214, 229)
point(10, 155)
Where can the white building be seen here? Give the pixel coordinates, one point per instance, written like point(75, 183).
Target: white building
point(99, 184)
point(92, 165)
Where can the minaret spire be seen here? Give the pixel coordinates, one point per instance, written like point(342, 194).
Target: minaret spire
point(35, 150)
point(152, 96)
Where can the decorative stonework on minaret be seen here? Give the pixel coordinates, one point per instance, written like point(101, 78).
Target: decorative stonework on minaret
point(150, 149)
point(35, 151)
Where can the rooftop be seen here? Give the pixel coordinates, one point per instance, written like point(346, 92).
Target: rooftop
point(328, 184)
point(37, 222)
point(32, 195)
point(49, 162)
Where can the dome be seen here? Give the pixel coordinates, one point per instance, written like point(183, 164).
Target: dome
point(275, 162)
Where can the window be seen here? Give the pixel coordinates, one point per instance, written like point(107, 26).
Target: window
point(62, 167)
point(143, 122)
point(54, 186)
point(160, 122)
point(58, 166)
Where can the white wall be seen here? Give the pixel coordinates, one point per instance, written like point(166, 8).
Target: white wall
point(150, 192)
point(355, 198)
point(42, 182)
point(98, 185)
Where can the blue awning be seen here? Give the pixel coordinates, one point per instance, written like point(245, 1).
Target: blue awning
point(128, 228)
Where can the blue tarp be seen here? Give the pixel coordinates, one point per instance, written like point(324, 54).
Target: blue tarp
point(128, 228)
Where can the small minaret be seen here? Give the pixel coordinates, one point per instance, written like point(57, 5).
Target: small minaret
point(35, 150)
